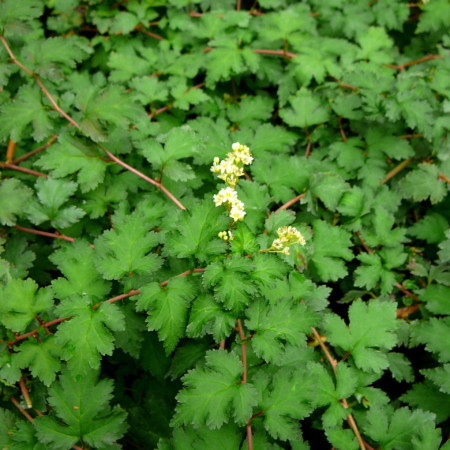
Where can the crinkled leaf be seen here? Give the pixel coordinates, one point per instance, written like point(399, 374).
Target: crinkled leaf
point(370, 330)
point(82, 404)
point(20, 301)
point(213, 394)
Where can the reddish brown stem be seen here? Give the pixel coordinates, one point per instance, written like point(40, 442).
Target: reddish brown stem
point(36, 330)
point(248, 428)
point(324, 348)
point(10, 151)
point(136, 291)
point(351, 421)
point(17, 405)
point(413, 63)
point(44, 233)
point(238, 5)
point(396, 170)
point(341, 129)
point(222, 344)
point(344, 85)
point(403, 313)
point(149, 33)
point(444, 178)
point(291, 202)
point(119, 297)
point(308, 148)
point(25, 393)
point(36, 150)
point(53, 102)
point(407, 293)
point(244, 377)
point(42, 324)
point(56, 321)
point(144, 177)
point(244, 350)
point(23, 169)
point(183, 274)
point(275, 52)
point(411, 136)
point(159, 111)
point(363, 243)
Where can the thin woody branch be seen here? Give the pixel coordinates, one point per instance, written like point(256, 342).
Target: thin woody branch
point(96, 306)
point(44, 233)
point(240, 329)
point(76, 125)
point(350, 419)
point(22, 169)
point(414, 62)
point(10, 151)
point(444, 178)
point(396, 170)
point(17, 405)
point(341, 129)
point(36, 150)
point(25, 393)
point(291, 202)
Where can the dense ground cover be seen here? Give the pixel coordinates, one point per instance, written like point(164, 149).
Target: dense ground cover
point(128, 318)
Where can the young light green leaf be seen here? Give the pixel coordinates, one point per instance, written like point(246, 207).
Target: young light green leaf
point(41, 358)
point(230, 281)
point(196, 231)
point(20, 301)
point(377, 269)
point(167, 309)
point(371, 329)
point(331, 246)
point(213, 393)
point(423, 183)
point(306, 110)
point(76, 263)
point(278, 325)
point(435, 334)
point(70, 156)
point(52, 194)
point(87, 336)
point(287, 400)
point(428, 397)
point(208, 317)
point(330, 392)
point(82, 404)
point(26, 109)
point(13, 196)
point(393, 429)
point(126, 249)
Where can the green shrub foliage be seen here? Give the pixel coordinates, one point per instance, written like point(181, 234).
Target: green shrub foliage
point(131, 318)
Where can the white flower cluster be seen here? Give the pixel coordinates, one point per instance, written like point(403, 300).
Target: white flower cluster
point(232, 167)
point(229, 170)
point(287, 236)
point(226, 235)
point(229, 196)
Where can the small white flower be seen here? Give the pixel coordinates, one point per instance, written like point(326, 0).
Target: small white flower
point(237, 214)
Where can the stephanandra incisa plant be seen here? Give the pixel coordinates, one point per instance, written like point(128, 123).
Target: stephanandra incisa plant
point(142, 307)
